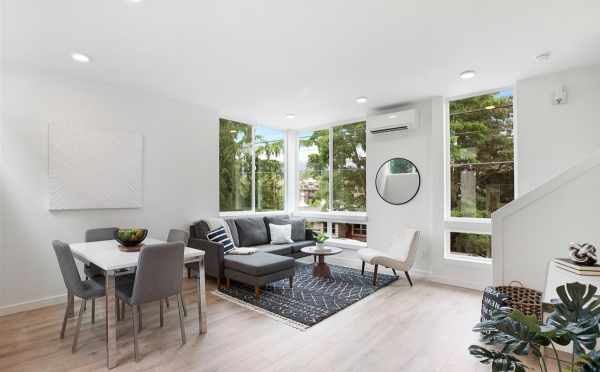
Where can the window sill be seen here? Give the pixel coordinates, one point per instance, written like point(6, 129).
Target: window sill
point(468, 259)
point(333, 216)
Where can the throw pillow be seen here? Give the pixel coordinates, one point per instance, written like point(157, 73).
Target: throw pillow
point(219, 235)
point(281, 234)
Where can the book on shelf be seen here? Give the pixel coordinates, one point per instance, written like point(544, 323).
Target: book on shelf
point(568, 265)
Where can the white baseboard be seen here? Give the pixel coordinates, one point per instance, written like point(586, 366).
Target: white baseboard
point(478, 286)
point(32, 305)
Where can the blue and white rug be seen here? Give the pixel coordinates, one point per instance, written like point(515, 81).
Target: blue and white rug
point(311, 299)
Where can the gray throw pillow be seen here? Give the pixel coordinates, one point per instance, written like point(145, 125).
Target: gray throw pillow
point(251, 231)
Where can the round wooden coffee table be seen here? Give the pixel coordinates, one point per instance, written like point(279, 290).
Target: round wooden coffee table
point(320, 268)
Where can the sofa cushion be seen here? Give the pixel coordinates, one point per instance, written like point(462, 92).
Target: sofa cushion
point(298, 228)
point(251, 231)
point(280, 249)
point(234, 232)
point(199, 230)
point(296, 246)
point(219, 235)
point(259, 263)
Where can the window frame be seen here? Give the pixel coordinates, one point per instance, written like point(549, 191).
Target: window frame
point(470, 225)
point(253, 210)
point(331, 214)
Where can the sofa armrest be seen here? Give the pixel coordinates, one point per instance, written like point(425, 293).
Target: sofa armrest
point(213, 258)
point(310, 234)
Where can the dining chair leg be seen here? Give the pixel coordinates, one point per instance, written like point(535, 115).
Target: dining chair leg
point(78, 326)
point(117, 307)
point(180, 310)
point(362, 271)
point(394, 271)
point(375, 275)
point(408, 277)
point(134, 319)
point(139, 311)
point(64, 324)
point(93, 310)
point(122, 309)
point(183, 305)
point(162, 319)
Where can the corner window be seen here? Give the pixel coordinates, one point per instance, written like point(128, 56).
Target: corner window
point(251, 168)
point(480, 173)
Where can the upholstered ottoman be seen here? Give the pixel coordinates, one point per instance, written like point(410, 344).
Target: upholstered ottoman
point(258, 269)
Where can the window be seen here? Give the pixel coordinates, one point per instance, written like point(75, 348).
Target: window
point(481, 154)
point(479, 245)
point(270, 169)
point(242, 188)
point(349, 165)
point(316, 226)
point(341, 152)
point(313, 170)
point(235, 166)
point(480, 168)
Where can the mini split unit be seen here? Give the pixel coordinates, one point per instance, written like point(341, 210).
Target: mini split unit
point(393, 122)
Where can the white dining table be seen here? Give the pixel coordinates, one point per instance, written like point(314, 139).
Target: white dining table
point(106, 255)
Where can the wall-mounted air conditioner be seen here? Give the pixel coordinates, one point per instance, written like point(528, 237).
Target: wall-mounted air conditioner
point(393, 122)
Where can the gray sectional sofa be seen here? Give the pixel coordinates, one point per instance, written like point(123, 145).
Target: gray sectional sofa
point(249, 232)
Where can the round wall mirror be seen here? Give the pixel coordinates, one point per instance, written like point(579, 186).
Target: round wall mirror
point(398, 181)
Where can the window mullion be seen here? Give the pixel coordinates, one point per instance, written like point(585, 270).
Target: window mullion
point(330, 168)
point(253, 169)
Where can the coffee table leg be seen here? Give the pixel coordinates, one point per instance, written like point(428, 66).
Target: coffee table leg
point(321, 269)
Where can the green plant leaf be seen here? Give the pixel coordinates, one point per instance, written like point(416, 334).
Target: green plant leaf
point(501, 362)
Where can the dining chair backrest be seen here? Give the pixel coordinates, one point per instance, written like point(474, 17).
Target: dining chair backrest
point(405, 245)
point(159, 272)
point(103, 233)
point(178, 236)
point(68, 268)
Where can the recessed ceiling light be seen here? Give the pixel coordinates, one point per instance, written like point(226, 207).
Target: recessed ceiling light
point(469, 74)
point(392, 116)
point(81, 58)
point(361, 99)
point(543, 57)
point(490, 107)
point(135, 1)
point(290, 116)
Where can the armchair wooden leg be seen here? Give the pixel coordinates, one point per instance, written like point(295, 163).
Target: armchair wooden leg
point(375, 275)
point(227, 283)
point(394, 271)
point(93, 310)
point(408, 277)
point(162, 313)
point(362, 271)
point(257, 292)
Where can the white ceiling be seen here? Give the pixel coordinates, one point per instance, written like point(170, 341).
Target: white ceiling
point(261, 59)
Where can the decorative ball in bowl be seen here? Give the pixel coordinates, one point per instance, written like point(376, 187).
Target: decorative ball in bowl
point(130, 237)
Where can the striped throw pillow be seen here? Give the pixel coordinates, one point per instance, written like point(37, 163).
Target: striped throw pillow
point(219, 235)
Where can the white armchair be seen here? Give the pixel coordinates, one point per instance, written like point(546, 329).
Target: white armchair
point(401, 255)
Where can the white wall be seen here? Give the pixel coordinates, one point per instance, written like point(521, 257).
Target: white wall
point(180, 173)
point(550, 138)
point(384, 218)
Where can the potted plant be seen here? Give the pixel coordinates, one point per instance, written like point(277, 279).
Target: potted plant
point(574, 321)
point(321, 238)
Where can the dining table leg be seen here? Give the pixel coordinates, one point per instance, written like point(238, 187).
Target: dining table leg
point(111, 321)
point(201, 292)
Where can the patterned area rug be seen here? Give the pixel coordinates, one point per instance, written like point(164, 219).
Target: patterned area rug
point(311, 300)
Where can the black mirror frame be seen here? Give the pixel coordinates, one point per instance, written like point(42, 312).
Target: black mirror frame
point(418, 187)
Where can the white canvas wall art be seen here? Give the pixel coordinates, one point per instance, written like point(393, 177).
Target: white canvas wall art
point(90, 169)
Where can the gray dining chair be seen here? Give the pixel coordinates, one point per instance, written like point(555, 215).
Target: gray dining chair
point(159, 275)
point(96, 235)
point(86, 290)
point(176, 235)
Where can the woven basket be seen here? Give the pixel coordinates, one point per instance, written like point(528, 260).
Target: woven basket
point(526, 300)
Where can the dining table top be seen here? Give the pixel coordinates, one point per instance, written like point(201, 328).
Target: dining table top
point(107, 255)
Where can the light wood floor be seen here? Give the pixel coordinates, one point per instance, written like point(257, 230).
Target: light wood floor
point(424, 328)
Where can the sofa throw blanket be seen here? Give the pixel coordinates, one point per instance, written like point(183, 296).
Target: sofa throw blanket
point(215, 223)
point(243, 251)
point(219, 235)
